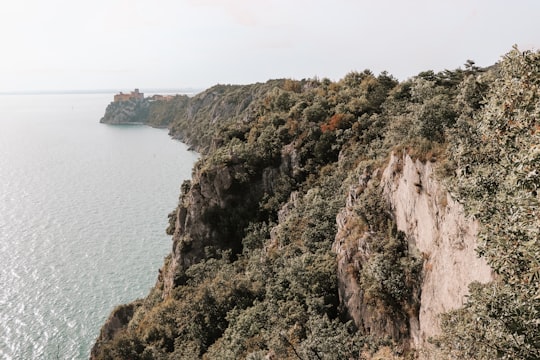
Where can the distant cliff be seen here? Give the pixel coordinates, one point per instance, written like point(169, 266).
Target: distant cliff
point(195, 119)
point(333, 220)
point(143, 111)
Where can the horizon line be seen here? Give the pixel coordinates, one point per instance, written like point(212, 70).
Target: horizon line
point(187, 90)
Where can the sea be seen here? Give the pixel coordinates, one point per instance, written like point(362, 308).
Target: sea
point(83, 213)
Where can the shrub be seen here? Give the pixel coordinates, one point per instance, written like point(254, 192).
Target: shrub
point(497, 181)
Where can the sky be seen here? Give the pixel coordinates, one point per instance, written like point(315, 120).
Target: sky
point(125, 44)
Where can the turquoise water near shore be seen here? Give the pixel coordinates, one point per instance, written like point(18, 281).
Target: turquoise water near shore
point(83, 213)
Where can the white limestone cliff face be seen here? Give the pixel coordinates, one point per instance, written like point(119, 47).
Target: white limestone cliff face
point(436, 225)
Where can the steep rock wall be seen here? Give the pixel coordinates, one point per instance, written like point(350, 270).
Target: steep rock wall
point(436, 226)
point(214, 210)
point(354, 248)
point(133, 111)
point(209, 218)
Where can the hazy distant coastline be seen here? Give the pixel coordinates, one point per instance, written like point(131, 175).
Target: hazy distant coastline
point(151, 91)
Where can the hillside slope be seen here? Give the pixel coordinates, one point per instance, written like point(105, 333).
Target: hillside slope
point(318, 224)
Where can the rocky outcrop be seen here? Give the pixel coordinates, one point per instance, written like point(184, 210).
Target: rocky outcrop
point(354, 248)
point(209, 218)
point(436, 226)
point(213, 212)
point(118, 320)
point(133, 111)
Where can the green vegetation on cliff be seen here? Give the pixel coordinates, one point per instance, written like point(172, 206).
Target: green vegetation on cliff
point(252, 272)
point(497, 162)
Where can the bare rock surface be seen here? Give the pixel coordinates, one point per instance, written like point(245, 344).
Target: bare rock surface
point(436, 225)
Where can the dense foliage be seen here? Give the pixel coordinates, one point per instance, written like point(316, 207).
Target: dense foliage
point(497, 154)
point(304, 142)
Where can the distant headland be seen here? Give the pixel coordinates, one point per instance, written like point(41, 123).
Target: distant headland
point(134, 108)
point(137, 95)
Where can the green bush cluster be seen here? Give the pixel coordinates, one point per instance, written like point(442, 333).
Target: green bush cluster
point(391, 274)
point(496, 165)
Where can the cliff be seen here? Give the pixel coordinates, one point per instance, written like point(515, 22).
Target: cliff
point(196, 119)
point(342, 220)
point(145, 111)
point(215, 208)
point(132, 111)
point(436, 229)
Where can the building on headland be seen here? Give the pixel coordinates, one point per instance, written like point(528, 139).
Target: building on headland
point(132, 95)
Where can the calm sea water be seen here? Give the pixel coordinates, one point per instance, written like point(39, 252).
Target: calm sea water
point(83, 213)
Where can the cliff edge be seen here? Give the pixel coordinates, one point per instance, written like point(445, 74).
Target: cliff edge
point(129, 112)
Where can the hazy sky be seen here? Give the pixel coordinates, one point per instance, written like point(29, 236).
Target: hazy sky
point(123, 44)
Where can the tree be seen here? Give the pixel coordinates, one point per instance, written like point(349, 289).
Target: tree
point(498, 181)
